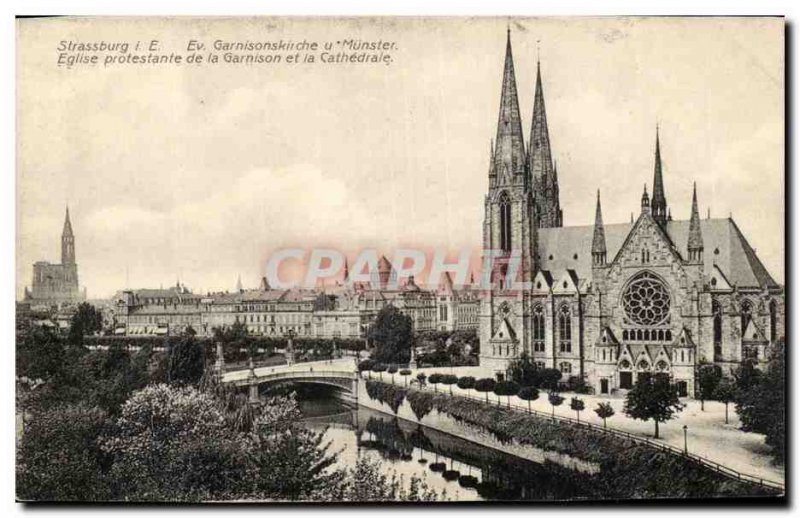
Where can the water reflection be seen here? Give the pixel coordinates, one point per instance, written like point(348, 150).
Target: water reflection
point(463, 469)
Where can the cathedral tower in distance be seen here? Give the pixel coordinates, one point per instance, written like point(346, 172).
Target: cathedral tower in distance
point(57, 283)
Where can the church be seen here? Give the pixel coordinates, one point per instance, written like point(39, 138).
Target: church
point(56, 284)
point(606, 303)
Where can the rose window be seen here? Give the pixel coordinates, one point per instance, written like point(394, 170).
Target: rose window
point(646, 300)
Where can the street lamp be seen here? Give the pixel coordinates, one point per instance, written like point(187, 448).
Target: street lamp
point(290, 347)
point(685, 443)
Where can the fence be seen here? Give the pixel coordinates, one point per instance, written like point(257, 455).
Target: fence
point(698, 459)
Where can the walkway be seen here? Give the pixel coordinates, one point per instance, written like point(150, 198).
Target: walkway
point(707, 435)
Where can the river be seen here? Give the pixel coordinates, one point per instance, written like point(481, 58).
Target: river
point(463, 470)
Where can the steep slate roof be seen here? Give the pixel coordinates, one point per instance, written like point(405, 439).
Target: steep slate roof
point(735, 257)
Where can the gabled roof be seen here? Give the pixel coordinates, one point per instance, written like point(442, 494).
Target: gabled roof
point(724, 244)
point(505, 332)
point(606, 337)
point(684, 339)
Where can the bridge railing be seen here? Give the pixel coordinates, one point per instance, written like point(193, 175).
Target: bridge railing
point(294, 374)
point(729, 473)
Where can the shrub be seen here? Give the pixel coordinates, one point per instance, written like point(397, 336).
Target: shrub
point(449, 380)
point(577, 405)
point(506, 388)
point(604, 411)
point(528, 394)
point(466, 382)
point(421, 403)
point(485, 385)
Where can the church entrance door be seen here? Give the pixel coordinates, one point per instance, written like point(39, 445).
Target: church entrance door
point(625, 380)
point(604, 386)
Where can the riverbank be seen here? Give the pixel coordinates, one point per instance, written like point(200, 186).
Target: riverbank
point(626, 468)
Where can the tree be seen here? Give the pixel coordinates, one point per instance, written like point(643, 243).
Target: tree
point(604, 411)
point(549, 378)
point(59, 458)
point(405, 373)
point(506, 388)
point(40, 355)
point(466, 383)
point(762, 406)
point(577, 405)
point(392, 369)
point(379, 368)
point(174, 443)
point(86, 321)
point(392, 334)
point(528, 394)
point(485, 385)
point(450, 380)
point(186, 361)
point(434, 379)
point(365, 365)
point(523, 371)
point(653, 397)
point(555, 400)
point(421, 377)
point(725, 392)
point(708, 377)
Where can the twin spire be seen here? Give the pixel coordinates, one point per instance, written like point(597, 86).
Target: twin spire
point(509, 148)
point(510, 164)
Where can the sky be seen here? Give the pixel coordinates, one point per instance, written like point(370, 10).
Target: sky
point(200, 172)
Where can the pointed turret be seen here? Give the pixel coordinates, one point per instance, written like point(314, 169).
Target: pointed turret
point(599, 238)
point(645, 201)
point(67, 242)
point(540, 161)
point(695, 244)
point(509, 152)
point(264, 284)
point(659, 204)
point(239, 284)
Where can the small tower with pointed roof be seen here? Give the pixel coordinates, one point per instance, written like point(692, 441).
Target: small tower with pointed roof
point(599, 255)
point(695, 242)
point(645, 201)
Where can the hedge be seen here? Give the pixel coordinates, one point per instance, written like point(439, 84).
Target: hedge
point(628, 469)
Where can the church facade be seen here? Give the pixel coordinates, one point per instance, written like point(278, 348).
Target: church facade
point(56, 284)
point(605, 303)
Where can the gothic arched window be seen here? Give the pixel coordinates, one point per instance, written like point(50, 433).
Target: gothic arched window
point(716, 310)
point(773, 320)
point(646, 300)
point(505, 223)
point(565, 329)
point(746, 311)
point(538, 329)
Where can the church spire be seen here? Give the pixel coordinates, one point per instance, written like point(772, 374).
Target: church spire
point(67, 241)
point(599, 239)
point(659, 205)
point(540, 160)
point(695, 244)
point(509, 152)
point(67, 225)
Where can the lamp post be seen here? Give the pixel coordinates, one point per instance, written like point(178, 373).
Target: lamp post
point(685, 443)
point(290, 347)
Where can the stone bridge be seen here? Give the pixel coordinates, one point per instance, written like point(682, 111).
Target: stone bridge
point(340, 374)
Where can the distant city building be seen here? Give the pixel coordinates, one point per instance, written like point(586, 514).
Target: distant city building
point(329, 312)
point(610, 303)
point(56, 284)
